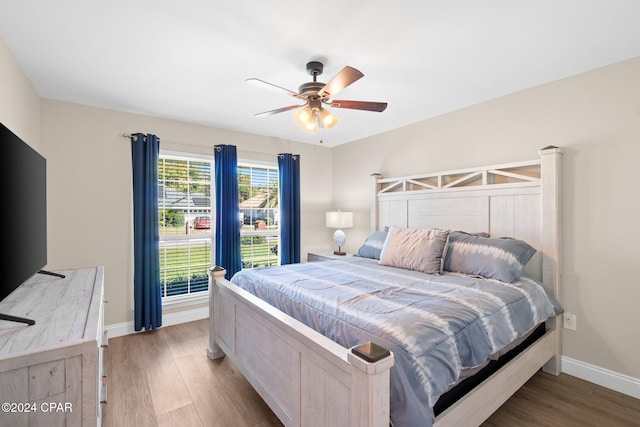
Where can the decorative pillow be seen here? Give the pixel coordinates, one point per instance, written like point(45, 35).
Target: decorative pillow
point(414, 249)
point(493, 258)
point(372, 246)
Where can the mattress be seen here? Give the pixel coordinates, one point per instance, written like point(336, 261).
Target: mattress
point(438, 326)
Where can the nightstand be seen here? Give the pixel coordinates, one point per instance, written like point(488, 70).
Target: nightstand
point(324, 256)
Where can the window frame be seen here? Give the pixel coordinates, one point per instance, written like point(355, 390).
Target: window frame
point(263, 164)
point(175, 301)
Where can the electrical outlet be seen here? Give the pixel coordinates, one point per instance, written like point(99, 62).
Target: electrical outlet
point(570, 321)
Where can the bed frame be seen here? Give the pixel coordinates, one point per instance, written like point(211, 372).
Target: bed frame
point(309, 380)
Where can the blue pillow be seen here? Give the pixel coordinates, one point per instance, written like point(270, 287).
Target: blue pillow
point(493, 258)
point(373, 245)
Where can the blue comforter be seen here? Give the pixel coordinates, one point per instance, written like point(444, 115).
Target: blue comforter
point(436, 326)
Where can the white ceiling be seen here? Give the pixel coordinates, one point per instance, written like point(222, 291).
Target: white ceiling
point(188, 60)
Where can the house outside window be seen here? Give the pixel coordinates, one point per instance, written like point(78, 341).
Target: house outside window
point(259, 213)
point(187, 221)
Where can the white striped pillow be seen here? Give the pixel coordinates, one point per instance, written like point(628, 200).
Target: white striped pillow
point(493, 258)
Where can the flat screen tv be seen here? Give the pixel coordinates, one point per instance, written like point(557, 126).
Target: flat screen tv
point(24, 195)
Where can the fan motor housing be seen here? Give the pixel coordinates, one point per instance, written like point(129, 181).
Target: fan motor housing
point(310, 89)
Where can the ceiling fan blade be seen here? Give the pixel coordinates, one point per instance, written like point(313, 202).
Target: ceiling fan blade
point(344, 78)
point(262, 83)
point(279, 110)
point(359, 105)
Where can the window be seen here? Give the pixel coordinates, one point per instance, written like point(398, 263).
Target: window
point(260, 231)
point(184, 203)
point(187, 224)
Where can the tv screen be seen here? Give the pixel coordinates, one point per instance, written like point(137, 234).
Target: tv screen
point(24, 206)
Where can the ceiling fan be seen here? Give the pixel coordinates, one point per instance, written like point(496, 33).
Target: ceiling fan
point(312, 114)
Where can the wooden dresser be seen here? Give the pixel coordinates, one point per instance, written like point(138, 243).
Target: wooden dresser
point(51, 372)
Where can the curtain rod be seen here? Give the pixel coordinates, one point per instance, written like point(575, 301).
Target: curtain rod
point(212, 147)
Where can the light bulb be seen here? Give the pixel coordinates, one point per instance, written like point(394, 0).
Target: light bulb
point(303, 116)
point(311, 126)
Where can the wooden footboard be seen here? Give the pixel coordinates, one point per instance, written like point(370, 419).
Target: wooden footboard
point(304, 377)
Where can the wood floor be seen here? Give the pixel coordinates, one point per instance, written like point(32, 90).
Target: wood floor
point(164, 378)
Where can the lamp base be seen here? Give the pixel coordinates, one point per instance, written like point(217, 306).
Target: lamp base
point(339, 253)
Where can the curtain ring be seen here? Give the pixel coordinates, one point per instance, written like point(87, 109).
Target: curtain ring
point(135, 138)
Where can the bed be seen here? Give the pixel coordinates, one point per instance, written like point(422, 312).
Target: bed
point(308, 378)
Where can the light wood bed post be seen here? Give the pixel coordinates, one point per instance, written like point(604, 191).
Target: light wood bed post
point(375, 187)
point(550, 175)
point(370, 392)
point(215, 274)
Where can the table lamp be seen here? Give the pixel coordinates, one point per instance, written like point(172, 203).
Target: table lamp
point(339, 220)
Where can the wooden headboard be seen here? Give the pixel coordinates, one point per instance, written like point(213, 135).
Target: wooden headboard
point(520, 200)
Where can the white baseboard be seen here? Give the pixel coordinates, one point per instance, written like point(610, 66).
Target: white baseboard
point(127, 328)
point(603, 377)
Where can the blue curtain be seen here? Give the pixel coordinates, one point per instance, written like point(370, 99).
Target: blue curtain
point(147, 290)
point(289, 175)
point(227, 210)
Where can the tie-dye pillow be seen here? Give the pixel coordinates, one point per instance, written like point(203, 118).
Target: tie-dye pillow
point(372, 247)
point(492, 258)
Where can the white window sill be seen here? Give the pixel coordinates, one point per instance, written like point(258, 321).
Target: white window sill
point(185, 300)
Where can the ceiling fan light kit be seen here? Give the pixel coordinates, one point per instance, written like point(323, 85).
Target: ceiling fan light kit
point(312, 115)
point(310, 119)
point(306, 118)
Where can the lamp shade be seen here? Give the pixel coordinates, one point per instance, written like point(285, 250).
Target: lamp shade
point(328, 119)
point(339, 219)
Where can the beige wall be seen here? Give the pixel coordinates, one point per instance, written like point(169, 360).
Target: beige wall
point(595, 117)
point(19, 102)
